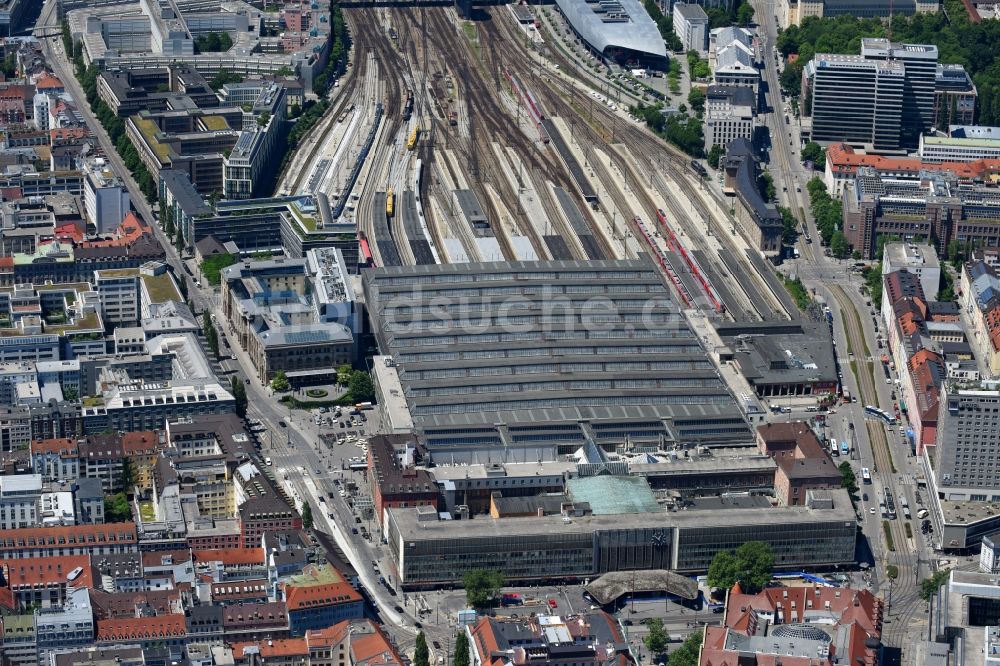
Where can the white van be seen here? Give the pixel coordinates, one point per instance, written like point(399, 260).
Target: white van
point(923, 513)
point(267, 461)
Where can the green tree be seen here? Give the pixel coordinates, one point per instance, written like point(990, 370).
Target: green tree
point(839, 246)
point(946, 286)
point(421, 653)
point(71, 394)
point(307, 516)
point(117, 509)
point(791, 79)
point(813, 152)
point(481, 587)
point(744, 15)
point(723, 572)
point(765, 183)
point(211, 335)
point(361, 387)
point(715, 155)
point(696, 98)
point(279, 383)
point(239, 392)
point(128, 475)
point(344, 373)
point(656, 636)
point(789, 226)
point(751, 565)
point(847, 478)
point(222, 78)
point(687, 653)
point(212, 267)
point(929, 586)
point(461, 649)
point(954, 253)
point(892, 571)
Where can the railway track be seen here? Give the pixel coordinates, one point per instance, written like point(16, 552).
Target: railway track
point(906, 602)
point(479, 84)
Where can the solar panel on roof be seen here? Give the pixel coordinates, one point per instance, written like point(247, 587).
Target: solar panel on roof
point(301, 337)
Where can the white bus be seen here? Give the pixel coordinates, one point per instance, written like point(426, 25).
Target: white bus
point(866, 475)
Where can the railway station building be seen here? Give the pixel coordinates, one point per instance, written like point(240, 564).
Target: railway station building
point(822, 533)
point(758, 221)
point(519, 361)
point(619, 31)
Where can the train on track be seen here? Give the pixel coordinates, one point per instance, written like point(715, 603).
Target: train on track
point(408, 107)
point(531, 105)
point(692, 263)
point(388, 202)
point(411, 142)
point(699, 168)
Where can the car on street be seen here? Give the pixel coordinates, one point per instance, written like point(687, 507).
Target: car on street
point(553, 604)
point(398, 609)
point(282, 424)
point(872, 511)
point(865, 497)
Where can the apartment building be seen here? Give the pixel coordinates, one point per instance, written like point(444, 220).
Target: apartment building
point(20, 497)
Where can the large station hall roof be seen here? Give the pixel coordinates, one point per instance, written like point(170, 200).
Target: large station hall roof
point(481, 344)
point(614, 23)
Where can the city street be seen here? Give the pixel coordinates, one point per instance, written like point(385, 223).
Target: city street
point(53, 51)
point(875, 445)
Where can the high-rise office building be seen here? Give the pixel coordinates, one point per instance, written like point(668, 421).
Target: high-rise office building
point(888, 89)
point(967, 466)
point(855, 100)
point(920, 76)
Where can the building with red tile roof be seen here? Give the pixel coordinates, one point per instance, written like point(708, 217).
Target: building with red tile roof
point(111, 605)
point(163, 630)
point(926, 372)
point(357, 643)
point(36, 542)
point(271, 617)
point(843, 161)
point(55, 459)
point(230, 556)
point(128, 232)
point(591, 639)
point(240, 591)
point(804, 464)
point(798, 626)
point(373, 649)
point(320, 597)
point(48, 83)
point(60, 135)
point(44, 580)
point(68, 231)
point(274, 652)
